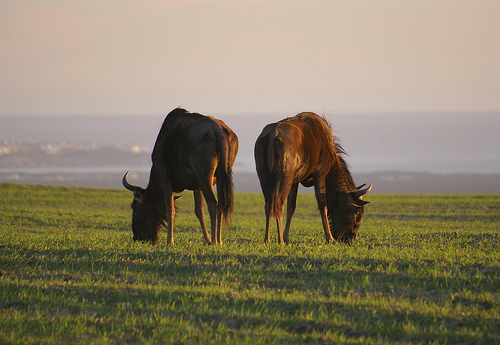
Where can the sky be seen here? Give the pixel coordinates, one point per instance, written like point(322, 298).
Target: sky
point(69, 57)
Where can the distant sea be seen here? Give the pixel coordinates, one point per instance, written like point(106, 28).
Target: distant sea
point(439, 143)
point(436, 143)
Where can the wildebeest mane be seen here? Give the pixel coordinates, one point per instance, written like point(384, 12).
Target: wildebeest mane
point(340, 178)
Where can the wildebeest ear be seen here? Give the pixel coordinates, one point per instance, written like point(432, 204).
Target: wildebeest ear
point(138, 195)
point(356, 198)
point(355, 201)
point(362, 192)
point(360, 202)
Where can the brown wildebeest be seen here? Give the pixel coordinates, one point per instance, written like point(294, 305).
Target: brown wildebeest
point(192, 152)
point(302, 149)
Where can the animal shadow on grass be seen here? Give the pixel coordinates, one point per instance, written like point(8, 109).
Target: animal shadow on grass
point(257, 285)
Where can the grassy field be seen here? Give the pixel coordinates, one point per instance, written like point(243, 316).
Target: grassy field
point(425, 269)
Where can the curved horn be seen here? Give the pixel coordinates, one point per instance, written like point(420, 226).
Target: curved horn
point(362, 192)
point(128, 185)
point(359, 187)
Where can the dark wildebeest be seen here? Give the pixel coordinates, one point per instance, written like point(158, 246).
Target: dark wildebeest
point(302, 149)
point(192, 152)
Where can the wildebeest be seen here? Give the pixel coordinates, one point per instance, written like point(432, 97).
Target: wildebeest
point(302, 149)
point(193, 152)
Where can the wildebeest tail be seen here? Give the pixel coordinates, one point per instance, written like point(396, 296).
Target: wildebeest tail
point(225, 194)
point(274, 176)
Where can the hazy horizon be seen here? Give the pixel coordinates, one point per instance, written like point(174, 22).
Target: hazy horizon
point(437, 143)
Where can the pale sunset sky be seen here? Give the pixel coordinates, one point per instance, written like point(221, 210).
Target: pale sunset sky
point(70, 57)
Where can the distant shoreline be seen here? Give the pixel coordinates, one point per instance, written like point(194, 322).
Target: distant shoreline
point(91, 165)
point(445, 143)
point(383, 182)
point(66, 163)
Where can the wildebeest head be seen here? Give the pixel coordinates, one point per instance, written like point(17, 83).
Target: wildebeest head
point(344, 200)
point(345, 210)
point(147, 213)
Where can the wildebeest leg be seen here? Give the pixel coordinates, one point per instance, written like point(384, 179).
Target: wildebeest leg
point(279, 218)
point(219, 225)
point(320, 191)
point(290, 210)
point(170, 213)
point(200, 213)
point(208, 192)
point(268, 225)
point(279, 210)
point(279, 225)
point(267, 209)
point(279, 221)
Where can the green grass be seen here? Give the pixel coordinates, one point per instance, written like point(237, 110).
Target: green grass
point(425, 269)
